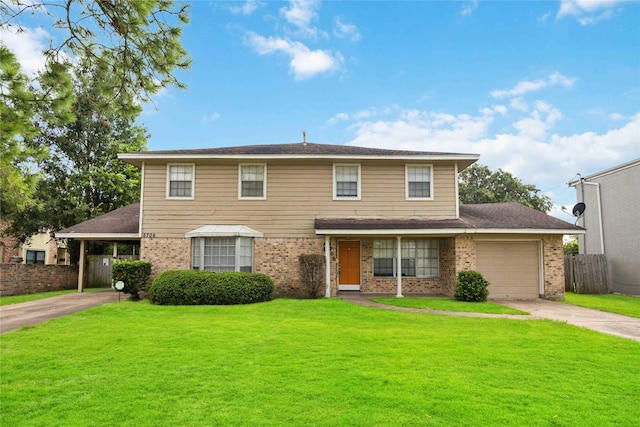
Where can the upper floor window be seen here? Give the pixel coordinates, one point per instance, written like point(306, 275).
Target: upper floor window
point(419, 182)
point(346, 182)
point(253, 181)
point(180, 181)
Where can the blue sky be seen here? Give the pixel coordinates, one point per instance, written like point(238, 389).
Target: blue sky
point(543, 89)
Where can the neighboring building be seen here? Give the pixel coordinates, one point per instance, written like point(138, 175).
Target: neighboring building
point(41, 249)
point(387, 221)
point(612, 222)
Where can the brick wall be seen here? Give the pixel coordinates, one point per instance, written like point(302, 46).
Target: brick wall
point(165, 254)
point(278, 259)
point(553, 259)
point(8, 245)
point(20, 279)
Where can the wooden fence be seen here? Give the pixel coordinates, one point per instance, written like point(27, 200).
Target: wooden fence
point(586, 274)
point(99, 270)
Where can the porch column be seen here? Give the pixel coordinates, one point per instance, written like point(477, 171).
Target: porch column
point(81, 267)
point(399, 267)
point(327, 266)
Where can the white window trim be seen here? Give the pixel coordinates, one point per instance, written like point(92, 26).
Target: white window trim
point(264, 188)
point(193, 181)
point(406, 181)
point(335, 182)
point(237, 241)
point(395, 262)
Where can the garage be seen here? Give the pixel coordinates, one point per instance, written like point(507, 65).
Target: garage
point(511, 267)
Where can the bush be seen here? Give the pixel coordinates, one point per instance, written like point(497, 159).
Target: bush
point(312, 269)
point(471, 286)
point(194, 287)
point(133, 273)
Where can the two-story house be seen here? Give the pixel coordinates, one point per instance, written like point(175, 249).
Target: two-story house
point(386, 221)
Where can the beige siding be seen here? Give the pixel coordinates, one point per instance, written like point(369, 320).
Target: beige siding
point(297, 193)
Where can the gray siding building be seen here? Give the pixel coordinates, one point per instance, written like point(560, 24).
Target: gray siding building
point(612, 220)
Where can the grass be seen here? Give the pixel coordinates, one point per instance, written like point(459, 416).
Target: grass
point(448, 304)
point(312, 362)
point(15, 299)
point(620, 304)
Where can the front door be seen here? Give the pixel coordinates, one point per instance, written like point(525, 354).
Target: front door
point(349, 265)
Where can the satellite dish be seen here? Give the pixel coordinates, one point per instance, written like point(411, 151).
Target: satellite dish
point(578, 209)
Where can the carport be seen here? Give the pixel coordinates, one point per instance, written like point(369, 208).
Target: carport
point(118, 226)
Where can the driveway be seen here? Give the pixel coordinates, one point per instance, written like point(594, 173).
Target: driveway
point(15, 316)
point(609, 323)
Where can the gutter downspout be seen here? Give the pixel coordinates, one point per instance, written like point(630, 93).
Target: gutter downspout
point(597, 185)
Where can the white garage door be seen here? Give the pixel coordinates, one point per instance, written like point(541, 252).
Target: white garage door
point(512, 268)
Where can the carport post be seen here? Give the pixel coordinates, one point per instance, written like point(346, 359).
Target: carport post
point(81, 267)
point(399, 268)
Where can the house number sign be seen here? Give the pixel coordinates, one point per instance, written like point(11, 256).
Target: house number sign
point(149, 235)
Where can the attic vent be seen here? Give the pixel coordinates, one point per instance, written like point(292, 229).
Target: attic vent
point(304, 137)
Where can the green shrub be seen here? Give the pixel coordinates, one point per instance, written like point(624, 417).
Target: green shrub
point(194, 287)
point(133, 273)
point(471, 286)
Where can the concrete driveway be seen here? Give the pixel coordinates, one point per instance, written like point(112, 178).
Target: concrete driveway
point(15, 316)
point(609, 323)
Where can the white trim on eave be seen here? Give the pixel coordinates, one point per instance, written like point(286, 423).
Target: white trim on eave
point(417, 231)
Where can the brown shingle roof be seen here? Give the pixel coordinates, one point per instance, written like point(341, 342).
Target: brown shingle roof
point(120, 221)
point(308, 148)
point(503, 216)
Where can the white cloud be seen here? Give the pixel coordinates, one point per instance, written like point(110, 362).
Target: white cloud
point(27, 46)
point(588, 12)
point(531, 150)
point(616, 116)
point(210, 118)
point(304, 62)
point(247, 8)
point(346, 30)
point(468, 8)
point(301, 13)
point(525, 86)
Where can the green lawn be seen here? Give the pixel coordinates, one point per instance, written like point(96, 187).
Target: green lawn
point(448, 304)
point(312, 362)
point(620, 304)
point(15, 299)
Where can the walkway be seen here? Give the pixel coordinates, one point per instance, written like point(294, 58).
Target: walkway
point(608, 323)
point(15, 316)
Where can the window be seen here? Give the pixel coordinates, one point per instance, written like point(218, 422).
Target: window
point(180, 181)
point(383, 258)
point(346, 182)
point(222, 254)
point(418, 182)
point(35, 257)
point(253, 179)
point(420, 258)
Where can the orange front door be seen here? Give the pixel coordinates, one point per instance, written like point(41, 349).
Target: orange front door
point(349, 262)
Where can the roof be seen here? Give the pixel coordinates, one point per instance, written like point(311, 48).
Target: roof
point(297, 150)
point(609, 171)
point(482, 218)
point(123, 223)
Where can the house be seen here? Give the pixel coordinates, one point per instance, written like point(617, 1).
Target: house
point(386, 221)
point(41, 249)
point(612, 222)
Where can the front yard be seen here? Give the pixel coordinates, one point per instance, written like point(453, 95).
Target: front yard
point(620, 304)
point(320, 362)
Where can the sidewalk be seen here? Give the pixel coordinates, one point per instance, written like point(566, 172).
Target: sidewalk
point(15, 316)
point(601, 321)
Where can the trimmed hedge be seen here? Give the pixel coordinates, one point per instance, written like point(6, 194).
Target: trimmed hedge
point(471, 286)
point(133, 273)
point(196, 287)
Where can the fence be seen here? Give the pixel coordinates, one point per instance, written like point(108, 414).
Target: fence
point(586, 274)
point(20, 279)
point(99, 270)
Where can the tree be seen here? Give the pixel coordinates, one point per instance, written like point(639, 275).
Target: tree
point(81, 176)
point(138, 41)
point(20, 106)
point(478, 184)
